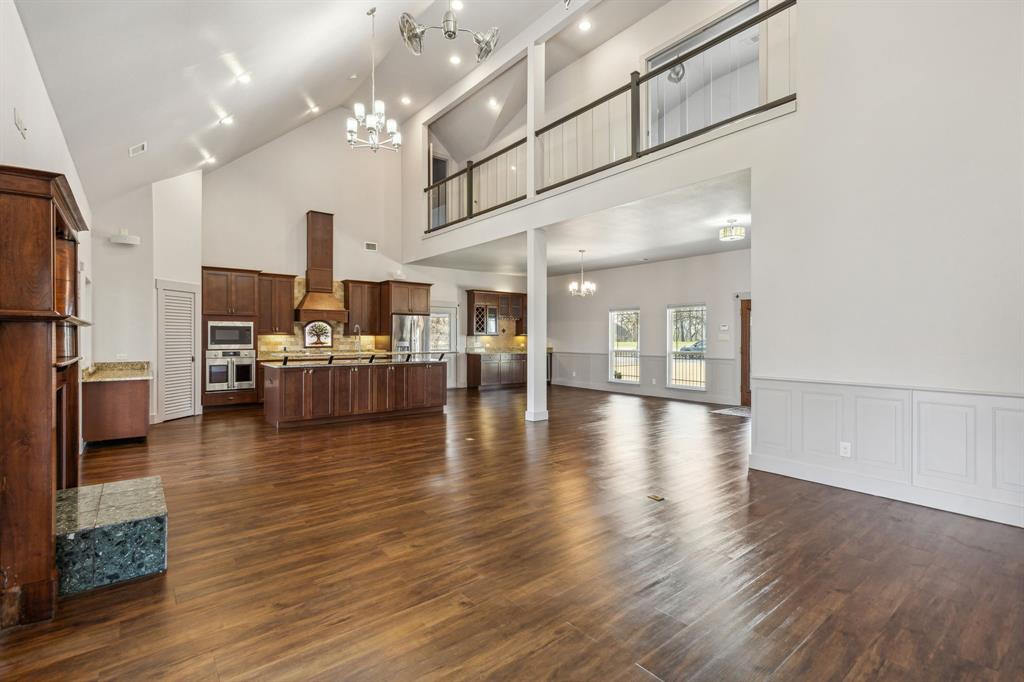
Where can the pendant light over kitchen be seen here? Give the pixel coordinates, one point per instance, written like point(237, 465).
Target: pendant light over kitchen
point(582, 287)
point(373, 124)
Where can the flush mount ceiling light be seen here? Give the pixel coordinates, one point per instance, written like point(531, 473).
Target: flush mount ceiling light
point(585, 25)
point(374, 124)
point(732, 232)
point(405, 100)
point(412, 33)
point(582, 287)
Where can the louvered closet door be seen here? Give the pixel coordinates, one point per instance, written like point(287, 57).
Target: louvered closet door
point(177, 354)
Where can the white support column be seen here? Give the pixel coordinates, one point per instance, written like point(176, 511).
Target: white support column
point(534, 112)
point(537, 325)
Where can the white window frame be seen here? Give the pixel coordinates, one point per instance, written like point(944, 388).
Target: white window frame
point(611, 346)
point(668, 347)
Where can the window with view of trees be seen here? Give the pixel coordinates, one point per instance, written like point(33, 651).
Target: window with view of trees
point(687, 336)
point(624, 346)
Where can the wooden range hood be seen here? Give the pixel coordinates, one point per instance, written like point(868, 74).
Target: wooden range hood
point(319, 303)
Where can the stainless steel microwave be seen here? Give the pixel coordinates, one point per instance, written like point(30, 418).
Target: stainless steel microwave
point(229, 335)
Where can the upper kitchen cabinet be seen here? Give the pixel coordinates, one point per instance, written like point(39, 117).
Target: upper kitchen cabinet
point(363, 302)
point(276, 304)
point(486, 308)
point(404, 298)
point(319, 251)
point(230, 292)
point(39, 226)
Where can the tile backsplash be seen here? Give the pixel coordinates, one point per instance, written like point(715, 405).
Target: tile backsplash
point(505, 340)
point(276, 343)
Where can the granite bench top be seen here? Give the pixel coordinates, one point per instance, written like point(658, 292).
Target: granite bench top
point(106, 504)
point(117, 371)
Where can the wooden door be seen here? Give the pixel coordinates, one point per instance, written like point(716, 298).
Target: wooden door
point(419, 300)
point(745, 352)
point(243, 296)
point(416, 386)
point(341, 388)
point(216, 292)
point(397, 387)
point(265, 312)
point(362, 390)
point(355, 301)
point(317, 393)
point(292, 400)
point(283, 306)
point(383, 379)
point(261, 376)
point(436, 385)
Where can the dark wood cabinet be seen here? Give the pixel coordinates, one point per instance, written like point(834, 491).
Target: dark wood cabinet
point(486, 309)
point(39, 440)
point(230, 292)
point(319, 251)
point(276, 304)
point(330, 393)
point(260, 377)
point(403, 298)
point(363, 302)
point(495, 369)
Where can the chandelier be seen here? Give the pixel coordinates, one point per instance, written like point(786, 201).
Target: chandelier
point(412, 33)
point(582, 287)
point(732, 232)
point(374, 124)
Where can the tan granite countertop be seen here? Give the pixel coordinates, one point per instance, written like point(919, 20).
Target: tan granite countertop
point(117, 371)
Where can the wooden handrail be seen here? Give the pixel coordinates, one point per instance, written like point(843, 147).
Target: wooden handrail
point(474, 164)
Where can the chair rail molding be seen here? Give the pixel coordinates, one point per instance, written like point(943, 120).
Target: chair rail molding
point(953, 450)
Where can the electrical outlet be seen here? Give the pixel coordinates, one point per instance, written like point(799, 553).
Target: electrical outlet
point(654, 381)
point(845, 449)
point(574, 375)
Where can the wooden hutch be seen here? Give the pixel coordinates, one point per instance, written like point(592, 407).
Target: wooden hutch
point(39, 382)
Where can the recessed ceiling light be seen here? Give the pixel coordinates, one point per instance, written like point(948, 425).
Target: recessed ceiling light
point(244, 78)
point(353, 76)
point(512, 168)
point(457, 5)
point(455, 59)
point(227, 120)
point(405, 100)
point(585, 25)
point(314, 109)
point(492, 103)
point(209, 160)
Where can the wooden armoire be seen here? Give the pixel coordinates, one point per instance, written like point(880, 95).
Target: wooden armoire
point(39, 382)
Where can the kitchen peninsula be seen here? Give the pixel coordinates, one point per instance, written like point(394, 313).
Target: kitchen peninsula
point(352, 387)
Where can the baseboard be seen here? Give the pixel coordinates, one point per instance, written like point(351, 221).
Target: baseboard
point(904, 492)
point(653, 392)
point(536, 416)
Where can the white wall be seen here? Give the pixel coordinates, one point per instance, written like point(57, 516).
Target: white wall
point(178, 227)
point(44, 147)
point(578, 327)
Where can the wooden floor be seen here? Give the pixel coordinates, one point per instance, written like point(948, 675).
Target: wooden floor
point(471, 545)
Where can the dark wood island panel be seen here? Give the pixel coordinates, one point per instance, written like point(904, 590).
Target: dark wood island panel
point(319, 393)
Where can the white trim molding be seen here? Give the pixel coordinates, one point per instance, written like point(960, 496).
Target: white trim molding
point(956, 451)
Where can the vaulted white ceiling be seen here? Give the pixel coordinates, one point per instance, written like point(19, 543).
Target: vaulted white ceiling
point(166, 71)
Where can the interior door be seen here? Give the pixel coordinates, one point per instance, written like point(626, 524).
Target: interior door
point(176, 377)
point(745, 352)
point(444, 328)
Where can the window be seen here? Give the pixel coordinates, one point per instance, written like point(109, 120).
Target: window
point(687, 337)
point(441, 331)
point(624, 346)
point(710, 87)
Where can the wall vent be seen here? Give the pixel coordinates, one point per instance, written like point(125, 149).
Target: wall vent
point(140, 148)
point(369, 246)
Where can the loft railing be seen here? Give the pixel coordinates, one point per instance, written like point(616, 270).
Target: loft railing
point(741, 72)
point(492, 182)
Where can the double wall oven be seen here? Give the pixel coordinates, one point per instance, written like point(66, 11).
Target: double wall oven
point(230, 356)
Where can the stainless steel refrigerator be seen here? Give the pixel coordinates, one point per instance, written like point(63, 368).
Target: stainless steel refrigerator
point(410, 333)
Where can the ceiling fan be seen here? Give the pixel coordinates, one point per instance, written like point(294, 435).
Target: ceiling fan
point(412, 33)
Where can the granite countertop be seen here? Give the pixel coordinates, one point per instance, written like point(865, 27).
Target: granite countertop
point(500, 351)
point(342, 362)
point(117, 371)
point(315, 355)
point(94, 506)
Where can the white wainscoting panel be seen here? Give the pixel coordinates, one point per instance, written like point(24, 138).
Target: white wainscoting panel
point(960, 452)
point(590, 370)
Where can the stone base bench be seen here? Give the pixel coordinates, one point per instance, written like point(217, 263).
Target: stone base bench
point(110, 533)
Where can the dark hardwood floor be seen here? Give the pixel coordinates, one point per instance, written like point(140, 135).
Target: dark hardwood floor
point(472, 545)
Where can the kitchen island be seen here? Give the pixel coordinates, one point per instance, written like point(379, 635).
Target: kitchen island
point(321, 392)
